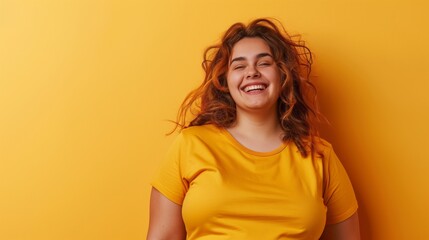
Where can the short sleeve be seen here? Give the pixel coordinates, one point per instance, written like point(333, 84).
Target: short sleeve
point(338, 194)
point(169, 178)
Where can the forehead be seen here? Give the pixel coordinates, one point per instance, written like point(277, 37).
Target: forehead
point(248, 47)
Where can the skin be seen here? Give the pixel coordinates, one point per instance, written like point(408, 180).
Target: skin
point(252, 64)
point(345, 230)
point(256, 128)
point(165, 221)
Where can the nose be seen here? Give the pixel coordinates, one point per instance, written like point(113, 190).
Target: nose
point(252, 72)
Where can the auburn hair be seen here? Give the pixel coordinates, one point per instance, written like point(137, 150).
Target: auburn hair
point(298, 112)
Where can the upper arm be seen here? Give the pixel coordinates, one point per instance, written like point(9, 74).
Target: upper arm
point(345, 230)
point(165, 220)
point(338, 192)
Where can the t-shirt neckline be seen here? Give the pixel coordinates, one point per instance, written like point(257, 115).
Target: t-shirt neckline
point(237, 144)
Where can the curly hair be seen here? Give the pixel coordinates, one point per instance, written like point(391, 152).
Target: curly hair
point(298, 112)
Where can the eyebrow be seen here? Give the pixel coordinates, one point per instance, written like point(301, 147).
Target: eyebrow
point(260, 55)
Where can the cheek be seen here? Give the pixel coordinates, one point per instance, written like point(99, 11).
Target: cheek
point(277, 83)
point(279, 76)
point(232, 81)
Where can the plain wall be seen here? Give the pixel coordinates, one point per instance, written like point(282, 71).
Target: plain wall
point(86, 88)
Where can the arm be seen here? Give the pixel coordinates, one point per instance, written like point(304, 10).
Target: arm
point(165, 220)
point(345, 230)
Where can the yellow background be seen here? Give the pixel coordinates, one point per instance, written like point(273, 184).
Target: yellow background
point(86, 87)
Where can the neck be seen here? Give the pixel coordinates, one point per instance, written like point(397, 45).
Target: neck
point(258, 121)
point(257, 124)
point(260, 132)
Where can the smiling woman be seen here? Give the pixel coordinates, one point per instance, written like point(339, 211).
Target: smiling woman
point(253, 77)
point(296, 104)
point(250, 164)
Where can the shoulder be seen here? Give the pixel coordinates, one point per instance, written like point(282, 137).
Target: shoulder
point(193, 139)
point(202, 131)
point(321, 147)
point(202, 134)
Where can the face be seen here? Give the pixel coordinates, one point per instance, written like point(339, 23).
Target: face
point(253, 76)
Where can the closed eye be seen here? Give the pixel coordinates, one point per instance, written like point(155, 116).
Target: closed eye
point(264, 64)
point(238, 67)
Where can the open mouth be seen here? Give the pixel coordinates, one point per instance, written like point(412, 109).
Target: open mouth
point(252, 88)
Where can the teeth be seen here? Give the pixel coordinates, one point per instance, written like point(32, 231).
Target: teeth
point(254, 87)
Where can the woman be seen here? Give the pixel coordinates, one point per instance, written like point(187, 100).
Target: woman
point(249, 165)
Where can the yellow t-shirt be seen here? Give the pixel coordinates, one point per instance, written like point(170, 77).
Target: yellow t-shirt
point(230, 192)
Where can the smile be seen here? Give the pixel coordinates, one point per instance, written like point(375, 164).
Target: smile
point(251, 88)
